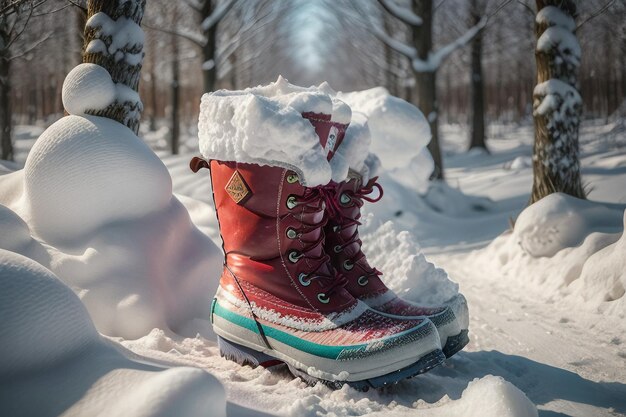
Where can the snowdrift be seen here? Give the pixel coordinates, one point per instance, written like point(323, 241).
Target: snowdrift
point(94, 204)
point(53, 361)
point(562, 246)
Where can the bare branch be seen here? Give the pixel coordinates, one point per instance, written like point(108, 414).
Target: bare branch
point(33, 46)
point(401, 13)
point(218, 14)
point(195, 38)
point(596, 13)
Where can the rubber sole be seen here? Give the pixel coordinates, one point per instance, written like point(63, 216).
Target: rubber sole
point(246, 356)
point(455, 343)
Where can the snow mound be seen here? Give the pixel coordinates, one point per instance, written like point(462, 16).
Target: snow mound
point(264, 125)
point(53, 362)
point(43, 322)
point(87, 87)
point(15, 232)
point(355, 148)
point(394, 124)
point(569, 248)
point(492, 396)
point(406, 270)
point(101, 203)
point(85, 172)
point(560, 221)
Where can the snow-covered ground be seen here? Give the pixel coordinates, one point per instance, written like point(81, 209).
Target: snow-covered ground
point(536, 327)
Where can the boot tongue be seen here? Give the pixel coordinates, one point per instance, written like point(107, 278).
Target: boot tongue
point(330, 133)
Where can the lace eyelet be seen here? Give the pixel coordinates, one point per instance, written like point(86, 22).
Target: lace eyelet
point(291, 202)
point(303, 279)
point(294, 256)
point(292, 178)
point(347, 265)
point(291, 233)
point(344, 199)
point(337, 249)
point(336, 228)
point(362, 281)
point(323, 298)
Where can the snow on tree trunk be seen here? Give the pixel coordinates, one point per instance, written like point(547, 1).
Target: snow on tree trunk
point(114, 40)
point(426, 80)
point(477, 83)
point(5, 93)
point(557, 102)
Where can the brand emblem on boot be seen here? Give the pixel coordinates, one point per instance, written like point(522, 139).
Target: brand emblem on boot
point(237, 188)
point(332, 140)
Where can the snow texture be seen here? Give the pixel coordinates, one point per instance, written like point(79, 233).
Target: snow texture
point(86, 172)
point(566, 247)
point(407, 273)
point(87, 87)
point(53, 361)
point(553, 16)
point(264, 125)
point(101, 203)
point(125, 38)
point(394, 124)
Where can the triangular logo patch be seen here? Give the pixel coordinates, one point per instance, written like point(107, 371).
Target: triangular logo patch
point(237, 188)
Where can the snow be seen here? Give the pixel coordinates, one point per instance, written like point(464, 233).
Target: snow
point(552, 326)
point(553, 16)
point(264, 125)
point(70, 188)
point(122, 35)
point(557, 99)
point(564, 41)
point(394, 124)
point(53, 361)
point(87, 87)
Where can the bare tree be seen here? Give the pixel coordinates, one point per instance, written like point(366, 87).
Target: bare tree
point(14, 18)
point(477, 84)
point(117, 46)
point(557, 101)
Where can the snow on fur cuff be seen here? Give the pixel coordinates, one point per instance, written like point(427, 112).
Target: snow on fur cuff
point(264, 125)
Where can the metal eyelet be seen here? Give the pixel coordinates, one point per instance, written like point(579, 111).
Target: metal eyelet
point(291, 233)
point(294, 256)
point(362, 281)
point(344, 199)
point(337, 249)
point(291, 202)
point(303, 279)
point(323, 298)
point(347, 265)
point(292, 178)
point(336, 228)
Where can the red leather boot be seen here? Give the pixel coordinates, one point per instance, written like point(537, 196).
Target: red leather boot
point(363, 281)
point(280, 300)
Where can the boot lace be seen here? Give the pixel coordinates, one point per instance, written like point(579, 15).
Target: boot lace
point(314, 200)
point(342, 221)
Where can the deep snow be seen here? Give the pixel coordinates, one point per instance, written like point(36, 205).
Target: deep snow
point(564, 352)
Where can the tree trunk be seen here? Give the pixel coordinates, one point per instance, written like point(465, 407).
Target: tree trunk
point(125, 71)
point(557, 103)
point(209, 65)
point(5, 93)
point(175, 132)
point(477, 139)
point(426, 82)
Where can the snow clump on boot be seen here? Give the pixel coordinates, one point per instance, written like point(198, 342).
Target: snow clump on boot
point(265, 125)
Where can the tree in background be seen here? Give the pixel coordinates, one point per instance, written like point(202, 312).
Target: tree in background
point(14, 19)
point(557, 101)
point(114, 40)
point(425, 61)
point(477, 84)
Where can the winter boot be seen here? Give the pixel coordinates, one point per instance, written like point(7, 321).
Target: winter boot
point(363, 281)
point(279, 299)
